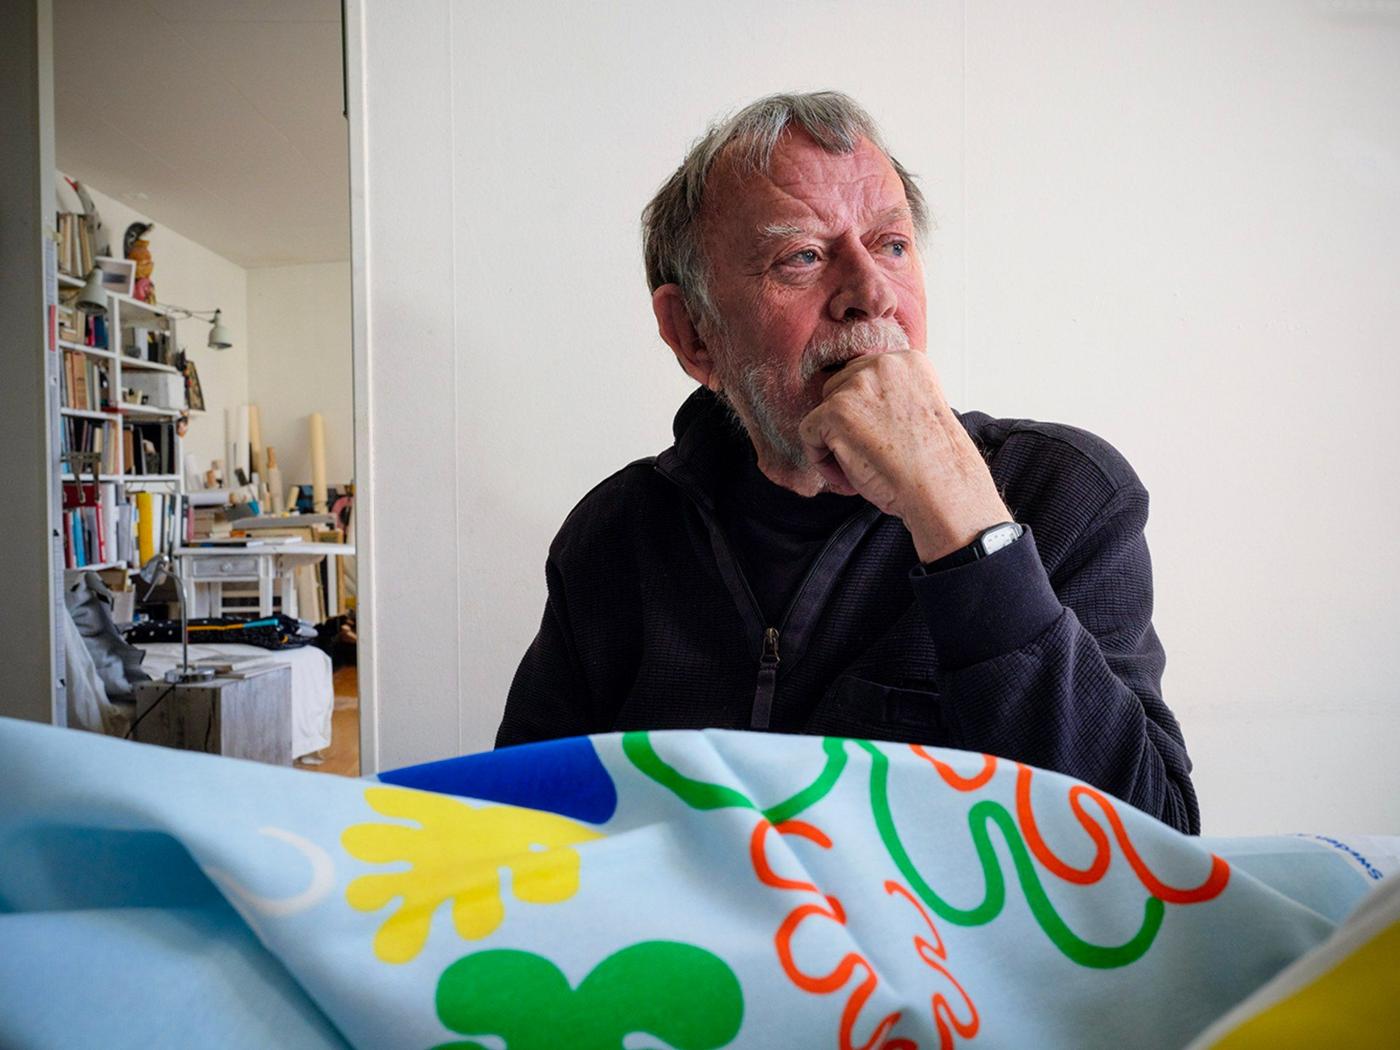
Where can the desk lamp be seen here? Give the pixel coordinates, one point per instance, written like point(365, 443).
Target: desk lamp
point(153, 573)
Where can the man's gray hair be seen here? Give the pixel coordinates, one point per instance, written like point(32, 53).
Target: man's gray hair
point(671, 234)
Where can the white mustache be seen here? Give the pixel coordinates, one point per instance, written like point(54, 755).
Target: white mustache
point(854, 340)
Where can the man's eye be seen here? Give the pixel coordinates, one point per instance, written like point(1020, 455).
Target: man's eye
point(805, 257)
point(899, 249)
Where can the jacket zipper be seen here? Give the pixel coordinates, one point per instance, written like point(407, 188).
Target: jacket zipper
point(767, 682)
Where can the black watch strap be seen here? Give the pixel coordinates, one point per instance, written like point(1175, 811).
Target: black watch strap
point(988, 541)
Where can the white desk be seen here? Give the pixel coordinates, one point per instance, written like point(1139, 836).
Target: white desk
point(205, 570)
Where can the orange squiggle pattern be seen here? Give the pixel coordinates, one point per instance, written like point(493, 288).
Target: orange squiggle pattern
point(1214, 884)
point(935, 955)
point(830, 908)
point(952, 778)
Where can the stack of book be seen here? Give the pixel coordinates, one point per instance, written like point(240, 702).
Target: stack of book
point(72, 322)
point(74, 244)
point(208, 523)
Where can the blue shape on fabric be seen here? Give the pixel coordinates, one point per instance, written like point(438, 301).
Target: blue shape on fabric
point(559, 776)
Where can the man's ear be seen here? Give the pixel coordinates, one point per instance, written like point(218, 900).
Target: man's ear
point(674, 323)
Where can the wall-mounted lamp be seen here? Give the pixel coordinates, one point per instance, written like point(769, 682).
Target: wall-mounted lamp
point(93, 297)
point(219, 336)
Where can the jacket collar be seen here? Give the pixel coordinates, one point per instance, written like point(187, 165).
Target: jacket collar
point(708, 440)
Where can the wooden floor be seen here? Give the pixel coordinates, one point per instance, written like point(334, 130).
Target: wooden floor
point(342, 758)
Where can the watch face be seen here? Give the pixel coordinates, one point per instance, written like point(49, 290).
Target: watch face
point(999, 536)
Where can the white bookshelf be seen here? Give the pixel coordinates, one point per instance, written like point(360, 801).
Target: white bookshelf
point(123, 314)
point(134, 365)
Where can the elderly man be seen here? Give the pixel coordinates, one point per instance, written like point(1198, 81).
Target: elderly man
point(829, 547)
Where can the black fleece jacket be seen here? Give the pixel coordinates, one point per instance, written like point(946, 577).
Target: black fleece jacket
point(1042, 653)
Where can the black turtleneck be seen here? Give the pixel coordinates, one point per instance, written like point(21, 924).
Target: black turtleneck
point(775, 533)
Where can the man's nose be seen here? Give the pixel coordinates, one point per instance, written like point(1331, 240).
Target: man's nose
point(864, 292)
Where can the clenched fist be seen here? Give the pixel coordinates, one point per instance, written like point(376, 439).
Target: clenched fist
point(884, 431)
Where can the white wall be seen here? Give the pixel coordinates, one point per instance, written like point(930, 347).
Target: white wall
point(1171, 225)
point(190, 275)
point(299, 363)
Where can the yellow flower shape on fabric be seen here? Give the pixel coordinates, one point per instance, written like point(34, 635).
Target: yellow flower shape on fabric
point(457, 854)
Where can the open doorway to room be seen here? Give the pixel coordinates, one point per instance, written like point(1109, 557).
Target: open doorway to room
point(205, 315)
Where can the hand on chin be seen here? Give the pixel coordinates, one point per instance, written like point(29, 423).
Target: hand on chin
point(885, 431)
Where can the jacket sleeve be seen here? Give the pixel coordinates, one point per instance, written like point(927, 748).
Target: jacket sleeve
point(1065, 672)
point(547, 698)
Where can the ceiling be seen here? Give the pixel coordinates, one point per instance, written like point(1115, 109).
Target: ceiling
point(219, 119)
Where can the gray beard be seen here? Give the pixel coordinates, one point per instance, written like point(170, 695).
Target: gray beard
point(758, 398)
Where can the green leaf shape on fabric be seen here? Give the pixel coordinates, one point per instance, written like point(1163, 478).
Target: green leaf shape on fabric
point(677, 992)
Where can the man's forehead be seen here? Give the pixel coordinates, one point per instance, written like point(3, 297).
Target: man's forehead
point(804, 186)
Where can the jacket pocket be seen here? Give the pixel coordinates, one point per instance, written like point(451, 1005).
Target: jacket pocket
point(911, 711)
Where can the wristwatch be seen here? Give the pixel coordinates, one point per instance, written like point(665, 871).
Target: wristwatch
point(988, 541)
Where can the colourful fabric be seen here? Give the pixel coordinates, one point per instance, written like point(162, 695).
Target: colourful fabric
point(711, 889)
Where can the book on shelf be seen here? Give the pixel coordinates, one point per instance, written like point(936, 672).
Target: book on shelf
point(95, 332)
point(145, 343)
point(70, 321)
point(95, 523)
point(287, 521)
point(74, 244)
point(84, 382)
point(149, 447)
point(90, 435)
point(242, 541)
point(104, 524)
point(161, 524)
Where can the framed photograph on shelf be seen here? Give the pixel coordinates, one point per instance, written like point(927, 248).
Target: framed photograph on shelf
point(118, 275)
point(194, 393)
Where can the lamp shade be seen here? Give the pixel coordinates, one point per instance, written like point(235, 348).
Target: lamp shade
point(219, 337)
point(93, 297)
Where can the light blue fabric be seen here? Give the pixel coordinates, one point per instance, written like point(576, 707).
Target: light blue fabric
point(712, 888)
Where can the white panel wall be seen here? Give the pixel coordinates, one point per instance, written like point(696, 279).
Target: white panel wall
point(190, 275)
point(299, 363)
point(1167, 225)
point(1182, 223)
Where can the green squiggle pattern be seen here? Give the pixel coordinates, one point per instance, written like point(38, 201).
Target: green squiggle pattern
point(702, 795)
point(979, 818)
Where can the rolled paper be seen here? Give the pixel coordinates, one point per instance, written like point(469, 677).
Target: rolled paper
point(318, 463)
point(292, 496)
point(231, 449)
point(255, 447)
point(192, 481)
point(240, 461)
point(274, 481)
